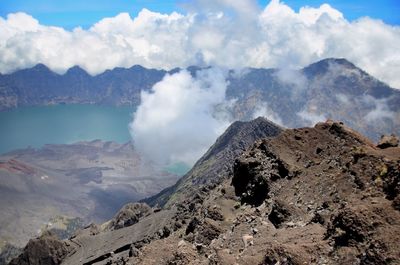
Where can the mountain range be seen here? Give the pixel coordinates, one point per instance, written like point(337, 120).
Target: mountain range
point(331, 88)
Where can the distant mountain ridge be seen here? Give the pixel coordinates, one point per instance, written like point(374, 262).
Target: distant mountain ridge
point(331, 88)
point(40, 86)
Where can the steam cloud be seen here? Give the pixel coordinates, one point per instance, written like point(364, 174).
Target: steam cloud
point(311, 117)
point(178, 119)
point(231, 34)
point(380, 109)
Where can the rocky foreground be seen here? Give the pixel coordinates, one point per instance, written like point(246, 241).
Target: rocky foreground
point(322, 195)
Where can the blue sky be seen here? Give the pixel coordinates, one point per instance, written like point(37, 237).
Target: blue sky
point(73, 13)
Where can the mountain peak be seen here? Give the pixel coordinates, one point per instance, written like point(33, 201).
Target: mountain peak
point(76, 70)
point(37, 70)
point(41, 68)
point(341, 61)
point(324, 66)
point(137, 67)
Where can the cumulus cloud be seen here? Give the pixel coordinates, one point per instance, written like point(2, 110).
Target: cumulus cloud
point(180, 118)
point(226, 33)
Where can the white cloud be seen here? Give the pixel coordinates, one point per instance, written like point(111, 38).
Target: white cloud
point(311, 116)
point(262, 110)
point(295, 80)
point(177, 119)
point(231, 34)
point(380, 109)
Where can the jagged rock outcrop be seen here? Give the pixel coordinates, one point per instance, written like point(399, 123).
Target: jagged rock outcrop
point(254, 172)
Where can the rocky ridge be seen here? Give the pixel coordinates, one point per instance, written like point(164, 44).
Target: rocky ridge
point(217, 163)
point(322, 195)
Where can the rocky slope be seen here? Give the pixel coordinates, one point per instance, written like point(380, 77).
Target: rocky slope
point(331, 88)
point(217, 163)
point(47, 188)
point(322, 195)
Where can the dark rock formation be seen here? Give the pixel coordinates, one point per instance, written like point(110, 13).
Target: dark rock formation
point(254, 171)
point(201, 232)
point(279, 214)
point(348, 228)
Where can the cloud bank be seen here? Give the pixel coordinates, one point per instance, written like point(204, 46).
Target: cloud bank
point(226, 33)
point(179, 118)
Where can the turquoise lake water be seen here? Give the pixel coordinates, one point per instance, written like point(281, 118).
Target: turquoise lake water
point(65, 124)
point(62, 124)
